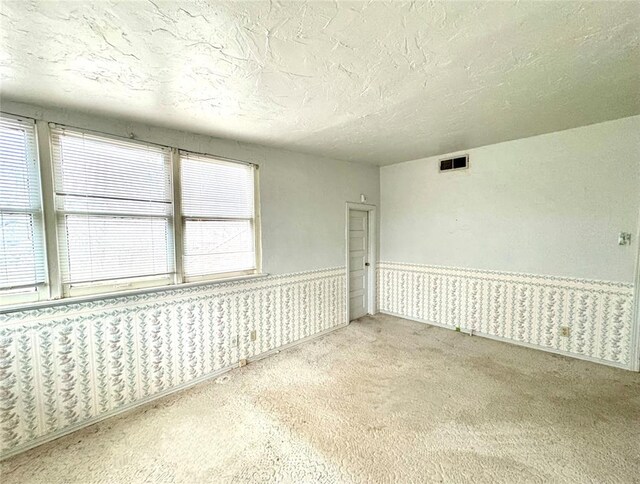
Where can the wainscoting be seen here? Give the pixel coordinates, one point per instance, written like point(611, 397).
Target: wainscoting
point(64, 367)
point(524, 308)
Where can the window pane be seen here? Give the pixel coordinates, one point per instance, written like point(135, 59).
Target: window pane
point(22, 261)
point(213, 188)
point(102, 248)
point(93, 166)
point(215, 246)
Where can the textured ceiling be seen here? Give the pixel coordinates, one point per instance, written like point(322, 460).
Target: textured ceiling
point(377, 82)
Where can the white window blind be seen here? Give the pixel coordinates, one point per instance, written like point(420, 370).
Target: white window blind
point(114, 205)
point(22, 257)
point(218, 216)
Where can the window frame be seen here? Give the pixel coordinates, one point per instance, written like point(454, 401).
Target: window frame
point(41, 291)
point(75, 289)
point(54, 291)
point(180, 226)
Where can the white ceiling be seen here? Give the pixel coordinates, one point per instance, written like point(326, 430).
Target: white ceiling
point(376, 82)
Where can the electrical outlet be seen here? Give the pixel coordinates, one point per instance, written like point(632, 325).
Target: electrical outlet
point(624, 238)
point(565, 332)
point(242, 362)
point(253, 335)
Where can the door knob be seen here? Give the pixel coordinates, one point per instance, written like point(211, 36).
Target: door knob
point(366, 264)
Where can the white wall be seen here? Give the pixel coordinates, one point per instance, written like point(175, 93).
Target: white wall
point(302, 196)
point(522, 246)
point(547, 205)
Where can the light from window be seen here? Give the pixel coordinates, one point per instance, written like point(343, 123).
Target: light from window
point(114, 208)
point(22, 258)
point(218, 216)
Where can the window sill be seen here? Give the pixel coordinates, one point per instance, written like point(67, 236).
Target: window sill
point(14, 308)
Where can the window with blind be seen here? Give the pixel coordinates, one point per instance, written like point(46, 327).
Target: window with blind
point(218, 216)
point(22, 256)
point(113, 201)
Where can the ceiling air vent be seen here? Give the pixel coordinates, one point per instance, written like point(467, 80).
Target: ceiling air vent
point(457, 163)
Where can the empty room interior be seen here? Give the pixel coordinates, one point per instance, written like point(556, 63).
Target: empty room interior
point(319, 241)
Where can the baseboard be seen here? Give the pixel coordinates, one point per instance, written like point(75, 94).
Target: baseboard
point(275, 351)
point(515, 342)
point(152, 398)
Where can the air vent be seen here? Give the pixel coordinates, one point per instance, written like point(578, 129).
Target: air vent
point(457, 163)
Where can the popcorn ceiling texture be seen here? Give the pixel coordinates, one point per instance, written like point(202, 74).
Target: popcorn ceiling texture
point(382, 400)
point(376, 82)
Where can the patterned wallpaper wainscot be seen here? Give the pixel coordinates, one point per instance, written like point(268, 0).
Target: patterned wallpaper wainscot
point(524, 308)
point(64, 367)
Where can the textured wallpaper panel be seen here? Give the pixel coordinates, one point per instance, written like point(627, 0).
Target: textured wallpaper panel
point(522, 307)
point(65, 365)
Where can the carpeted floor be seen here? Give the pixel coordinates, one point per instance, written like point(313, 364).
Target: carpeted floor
point(383, 400)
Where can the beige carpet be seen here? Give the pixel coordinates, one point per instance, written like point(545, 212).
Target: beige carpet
point(382, 400)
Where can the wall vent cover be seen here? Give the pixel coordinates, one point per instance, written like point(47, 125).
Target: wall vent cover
point(457, 163)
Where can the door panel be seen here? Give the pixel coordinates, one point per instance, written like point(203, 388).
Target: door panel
point(359, 221)
point(356, 263)
point(358, 246)
point(357, 243)
point(356, 283)
point(357, 302)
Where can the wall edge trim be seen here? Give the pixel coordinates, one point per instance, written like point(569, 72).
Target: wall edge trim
point(495, 272)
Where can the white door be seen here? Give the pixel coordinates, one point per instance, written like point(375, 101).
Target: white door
point(358, 263)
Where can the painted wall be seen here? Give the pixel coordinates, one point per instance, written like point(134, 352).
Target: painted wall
point(64, 367)
point(302, 196)
point(551, 204)
point(521, 246)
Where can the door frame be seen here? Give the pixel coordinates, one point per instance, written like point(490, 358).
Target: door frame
point(371, 255)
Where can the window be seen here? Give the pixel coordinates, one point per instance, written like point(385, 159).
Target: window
point(22, 257)
point(107, 208)
point(218, 208)
point(113, 201)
